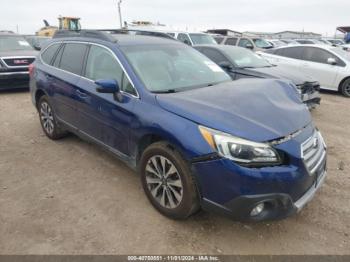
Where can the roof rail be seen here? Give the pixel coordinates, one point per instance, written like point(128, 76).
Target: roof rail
point(137, 32)
point(85, 33)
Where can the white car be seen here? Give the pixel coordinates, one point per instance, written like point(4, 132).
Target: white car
point(327, 64)
point(193, 38)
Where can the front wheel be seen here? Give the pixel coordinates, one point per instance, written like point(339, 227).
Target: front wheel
point(48, 120)
point(167, 181)
point(345, 88)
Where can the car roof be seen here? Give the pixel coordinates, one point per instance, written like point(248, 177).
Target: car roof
point(124, 40)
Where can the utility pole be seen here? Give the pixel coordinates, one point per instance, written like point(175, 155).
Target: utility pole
point(120, 14)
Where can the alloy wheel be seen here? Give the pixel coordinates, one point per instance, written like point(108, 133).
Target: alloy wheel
point(46, 117)
point(164, 181)
point(347, 88)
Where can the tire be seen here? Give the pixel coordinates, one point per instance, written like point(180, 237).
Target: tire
point(345, 88)
point(172, 192)
point(48, 120)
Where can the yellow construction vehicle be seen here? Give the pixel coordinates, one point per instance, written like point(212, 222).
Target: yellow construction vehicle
point(64, 23)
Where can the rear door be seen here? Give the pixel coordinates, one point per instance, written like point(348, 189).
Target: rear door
point(69, 65)
point(315, 64)
point(102, 118)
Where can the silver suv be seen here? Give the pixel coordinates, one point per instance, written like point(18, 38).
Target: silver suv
point(255, 44)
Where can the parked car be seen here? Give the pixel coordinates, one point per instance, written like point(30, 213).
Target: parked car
point(255, 44)
point(193, 38)
point(329, 65)
point(246, 148)
point(37, 42)
point(239, 63)
point(15, 56)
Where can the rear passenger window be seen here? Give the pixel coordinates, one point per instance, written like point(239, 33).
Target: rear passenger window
point(58, 57)
point(49, 53)
point(291, 52)
point(231, 41)
point(73, 58)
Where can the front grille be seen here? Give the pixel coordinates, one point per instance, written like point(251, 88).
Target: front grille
point(313, 152)
point(18, 61)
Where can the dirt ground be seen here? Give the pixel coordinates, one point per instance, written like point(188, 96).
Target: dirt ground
point(71, 197)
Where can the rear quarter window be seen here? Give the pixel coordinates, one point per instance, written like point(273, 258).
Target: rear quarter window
point(49, 53)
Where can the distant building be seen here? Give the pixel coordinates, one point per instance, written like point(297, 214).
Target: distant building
point(259, 34)
point(227, 32)
point(296, 34)
point(267, 35)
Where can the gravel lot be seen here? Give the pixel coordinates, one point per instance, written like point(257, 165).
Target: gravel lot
point(71, 197)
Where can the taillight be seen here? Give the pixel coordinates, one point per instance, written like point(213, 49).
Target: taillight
point(31, 70)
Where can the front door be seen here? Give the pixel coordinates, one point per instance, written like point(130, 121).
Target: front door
point(102, 117)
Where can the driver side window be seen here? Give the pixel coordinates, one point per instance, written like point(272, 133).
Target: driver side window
point(244, 42)
point(214, 55)
point(184, 38)
point(101, 64)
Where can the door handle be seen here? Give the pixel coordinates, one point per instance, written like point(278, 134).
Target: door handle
point(81, 94)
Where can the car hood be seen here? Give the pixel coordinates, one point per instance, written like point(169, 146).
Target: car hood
point(254, 109)
point(295, 76)
point(19, 53)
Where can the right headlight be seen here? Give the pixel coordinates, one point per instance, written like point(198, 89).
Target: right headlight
point(240, 150)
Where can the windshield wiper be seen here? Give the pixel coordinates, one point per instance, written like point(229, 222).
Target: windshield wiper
point(245, 67)
point(169, 91)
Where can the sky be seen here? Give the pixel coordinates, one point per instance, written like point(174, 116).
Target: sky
point(319, 16)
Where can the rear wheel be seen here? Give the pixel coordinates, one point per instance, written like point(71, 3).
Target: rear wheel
point(167, 181)
point(48, 120)
point(345, 88)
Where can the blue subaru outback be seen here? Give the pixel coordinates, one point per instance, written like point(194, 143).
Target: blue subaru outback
point(247, 149)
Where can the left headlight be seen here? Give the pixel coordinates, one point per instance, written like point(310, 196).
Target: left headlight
point(240, 150)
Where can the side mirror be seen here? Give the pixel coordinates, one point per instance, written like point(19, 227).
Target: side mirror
point(331, 61)
point(226, 65)
point(249, 46)
point(187, 42)
point(37, 47)
point(109, 86)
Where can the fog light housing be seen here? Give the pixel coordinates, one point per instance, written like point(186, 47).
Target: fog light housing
point(257, 210)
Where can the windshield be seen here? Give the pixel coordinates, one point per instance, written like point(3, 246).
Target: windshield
point(13, 43)
point(173, 68)
point(202, 39)
point(245, 58)
point(343, 54)
point(261, 43)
